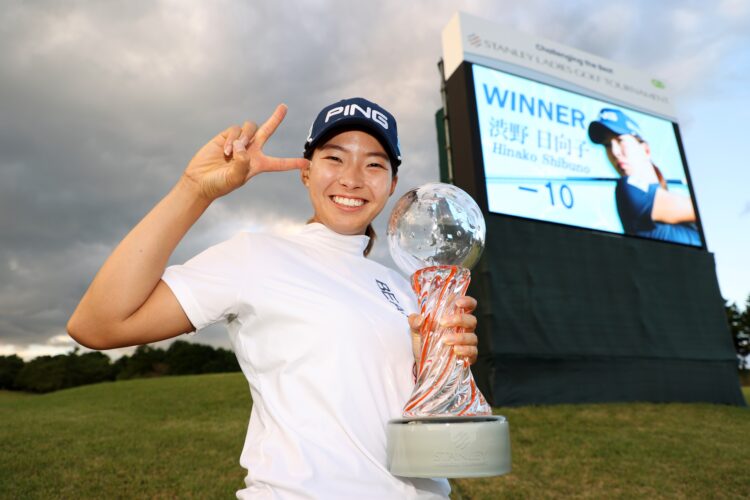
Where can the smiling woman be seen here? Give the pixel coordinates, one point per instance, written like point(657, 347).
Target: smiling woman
point(328, 355)
point(349, 180)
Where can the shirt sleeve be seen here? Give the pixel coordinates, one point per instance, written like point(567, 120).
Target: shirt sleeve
point(635, 201)
point(208, 286)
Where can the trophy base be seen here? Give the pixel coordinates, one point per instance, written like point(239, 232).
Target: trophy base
point(449, 446)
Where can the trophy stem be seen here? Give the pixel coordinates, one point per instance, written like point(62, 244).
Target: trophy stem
point(445, 385)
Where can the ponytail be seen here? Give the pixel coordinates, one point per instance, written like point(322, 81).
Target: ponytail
point(660, 177)
point(657, 171)
point(371, 233)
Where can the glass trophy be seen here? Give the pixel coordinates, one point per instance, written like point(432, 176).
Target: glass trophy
point(436, 233)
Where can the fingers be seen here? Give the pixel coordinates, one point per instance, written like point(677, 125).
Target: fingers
point(415, 322)
point(468, 304)
point(232, 133)
point(469, 352)
point(269, 127)
point(463, 339)
point(248, 133)
point(270, 163)
point(466, 339)
point(464, 344)
point(465, 321)
point(240, 165)
point(239, 139)
point(239, 145)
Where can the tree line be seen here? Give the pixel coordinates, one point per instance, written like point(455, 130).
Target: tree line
point(739, 325)
point(52, 373)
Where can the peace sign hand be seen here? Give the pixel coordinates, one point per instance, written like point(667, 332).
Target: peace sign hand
point(235, 155)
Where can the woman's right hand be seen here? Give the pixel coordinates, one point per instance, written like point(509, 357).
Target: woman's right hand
point(235, 155)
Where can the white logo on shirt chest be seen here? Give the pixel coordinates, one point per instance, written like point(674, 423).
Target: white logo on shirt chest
point(390, 296)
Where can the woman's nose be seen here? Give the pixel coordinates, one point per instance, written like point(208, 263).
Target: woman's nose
point(350, 176)
point(615, 147)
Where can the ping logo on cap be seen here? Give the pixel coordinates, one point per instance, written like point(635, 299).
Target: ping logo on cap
point(353, 109)
point(356, 113)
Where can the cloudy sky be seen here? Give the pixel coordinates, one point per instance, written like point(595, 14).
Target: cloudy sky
point(104, 103)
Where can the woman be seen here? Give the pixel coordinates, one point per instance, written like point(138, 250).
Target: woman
point(319, 331)
point(645, 205)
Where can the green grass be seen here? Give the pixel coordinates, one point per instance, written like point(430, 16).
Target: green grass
point(181, 437)
point(636, 450)
point(171, 437)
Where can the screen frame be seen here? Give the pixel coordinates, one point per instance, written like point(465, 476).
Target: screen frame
point(466, 148)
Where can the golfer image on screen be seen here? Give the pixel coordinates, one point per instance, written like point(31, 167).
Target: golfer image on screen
point(645, 205)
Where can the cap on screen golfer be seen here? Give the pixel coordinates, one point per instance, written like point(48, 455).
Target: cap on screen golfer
point(612, 122)
point(359, 114)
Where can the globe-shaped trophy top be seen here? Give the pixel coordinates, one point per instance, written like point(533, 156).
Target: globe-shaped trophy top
point(435, 224)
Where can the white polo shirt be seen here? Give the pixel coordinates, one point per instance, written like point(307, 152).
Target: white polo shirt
point(321, 334)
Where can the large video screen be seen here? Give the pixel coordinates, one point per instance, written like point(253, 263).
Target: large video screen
point(558, 156)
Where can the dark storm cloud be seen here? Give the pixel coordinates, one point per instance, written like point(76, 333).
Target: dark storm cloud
point(104, 104)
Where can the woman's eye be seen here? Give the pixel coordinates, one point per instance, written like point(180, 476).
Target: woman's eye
point(333, 158)
point(377, 165)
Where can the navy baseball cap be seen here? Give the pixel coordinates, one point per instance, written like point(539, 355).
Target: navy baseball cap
point(612, 122)
point(356, 113)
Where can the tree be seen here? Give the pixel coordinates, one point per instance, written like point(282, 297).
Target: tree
point(9, 368)
point(223, 361)
point(739, 326)
point(146, 361)
point(742, 344)
point(187, 358)
point(52, 373)
point(734, 319)
point(42, 374)
point(87, 368)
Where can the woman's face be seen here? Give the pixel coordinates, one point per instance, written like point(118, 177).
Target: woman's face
point(349, 181)
point(629, 156)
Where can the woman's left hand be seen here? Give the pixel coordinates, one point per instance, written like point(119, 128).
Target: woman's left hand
point(463, 339)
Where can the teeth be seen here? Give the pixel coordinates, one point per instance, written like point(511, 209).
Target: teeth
point(349, 202)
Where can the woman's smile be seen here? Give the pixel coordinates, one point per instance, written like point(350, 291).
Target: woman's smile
point(348, 202)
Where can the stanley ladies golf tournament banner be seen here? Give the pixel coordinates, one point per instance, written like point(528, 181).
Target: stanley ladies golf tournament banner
point(540, 162)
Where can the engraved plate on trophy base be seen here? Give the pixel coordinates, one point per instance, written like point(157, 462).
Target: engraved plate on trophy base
point(449, 447)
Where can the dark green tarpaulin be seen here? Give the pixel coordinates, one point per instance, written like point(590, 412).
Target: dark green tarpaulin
point(569, 315)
